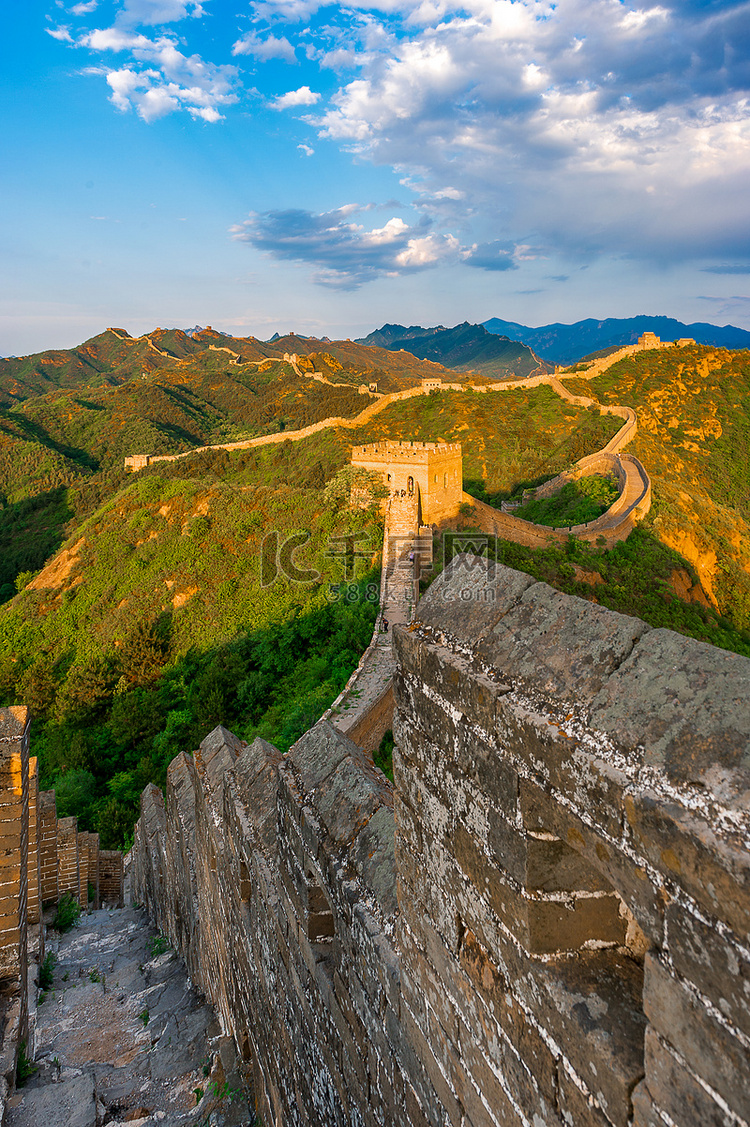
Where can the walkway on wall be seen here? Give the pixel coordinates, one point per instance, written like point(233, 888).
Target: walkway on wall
point(122, 1036)
point(398, 594)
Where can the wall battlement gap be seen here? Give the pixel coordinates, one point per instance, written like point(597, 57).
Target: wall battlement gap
point(398, 449)
point(544, 920)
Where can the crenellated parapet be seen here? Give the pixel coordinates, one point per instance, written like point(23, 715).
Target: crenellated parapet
point(430, 471)
point(544, 921)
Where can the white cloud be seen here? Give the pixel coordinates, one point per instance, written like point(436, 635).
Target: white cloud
point(617, 127)
point(590, 125)
point(271, 48)
point(61, 33)
point(159, 79)
point(302, 97)
point(306, 150)
point(344, 253)
point(115, 39)
point(154, 12)
point(84, 9)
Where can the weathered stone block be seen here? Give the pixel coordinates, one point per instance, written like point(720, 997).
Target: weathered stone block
point(690, 852)
point(542, 812)
point(461, 685)
point(528, 734)
point(645, 1113)
point(686, 702)
point(709, 1049)
point(576, 1108)
point(348, 799)
point(717, 963)
point(559, 645)
point(675, 1090)
point(470, 596)
point(374, 858)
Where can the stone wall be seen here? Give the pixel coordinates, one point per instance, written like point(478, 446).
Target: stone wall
point(430, 469)
point(111, 877)
point(14, 831)
point(34, 910)
point(614, 525)
point(68, 867)
point(48, 846)
point(39, 859)
point(552, 930)
point(372, 726)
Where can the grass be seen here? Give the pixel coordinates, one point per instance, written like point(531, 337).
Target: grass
point(25, 1068)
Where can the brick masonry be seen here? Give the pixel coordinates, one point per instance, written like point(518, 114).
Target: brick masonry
point(48, 846)
point(111, 877)
point(34, 870)
point(40, 858)
point(543, 923)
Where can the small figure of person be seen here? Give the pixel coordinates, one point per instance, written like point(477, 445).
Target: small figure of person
point(385, 625)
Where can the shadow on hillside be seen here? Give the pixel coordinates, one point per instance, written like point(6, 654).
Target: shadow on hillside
point(37, 433)
point(30, 532)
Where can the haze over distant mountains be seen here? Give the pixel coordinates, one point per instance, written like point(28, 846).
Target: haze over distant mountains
point(564, 344)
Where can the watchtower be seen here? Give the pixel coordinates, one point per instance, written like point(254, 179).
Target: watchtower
point(432, 470)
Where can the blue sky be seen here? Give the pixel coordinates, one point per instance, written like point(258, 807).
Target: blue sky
point(292, 164)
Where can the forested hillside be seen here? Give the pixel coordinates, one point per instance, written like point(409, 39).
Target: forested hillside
point(141, 611)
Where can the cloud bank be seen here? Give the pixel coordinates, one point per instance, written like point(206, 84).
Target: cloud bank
point(582, 128)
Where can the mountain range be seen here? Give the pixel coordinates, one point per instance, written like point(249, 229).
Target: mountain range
point(564, 344)
point(464, 347)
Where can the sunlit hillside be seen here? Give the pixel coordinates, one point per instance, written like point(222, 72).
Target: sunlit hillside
point(693, 409)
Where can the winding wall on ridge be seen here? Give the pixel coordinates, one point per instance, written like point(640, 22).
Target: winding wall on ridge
point(614, 525)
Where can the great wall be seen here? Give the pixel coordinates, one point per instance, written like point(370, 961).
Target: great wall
point(43, 859)
point(634, 498)
point(544, 921)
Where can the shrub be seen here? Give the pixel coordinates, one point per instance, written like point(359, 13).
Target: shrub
point(25, 1067)
point(68, 913)
point(47, 971)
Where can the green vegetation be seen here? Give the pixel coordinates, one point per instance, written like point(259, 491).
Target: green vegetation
point(68, 913)
point(383, 757)
point(177, 602)
point(693, 408)
point(25, 1067)
point(47, 971)
point(577, 503)
point(186, 605)
point(157, 945)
